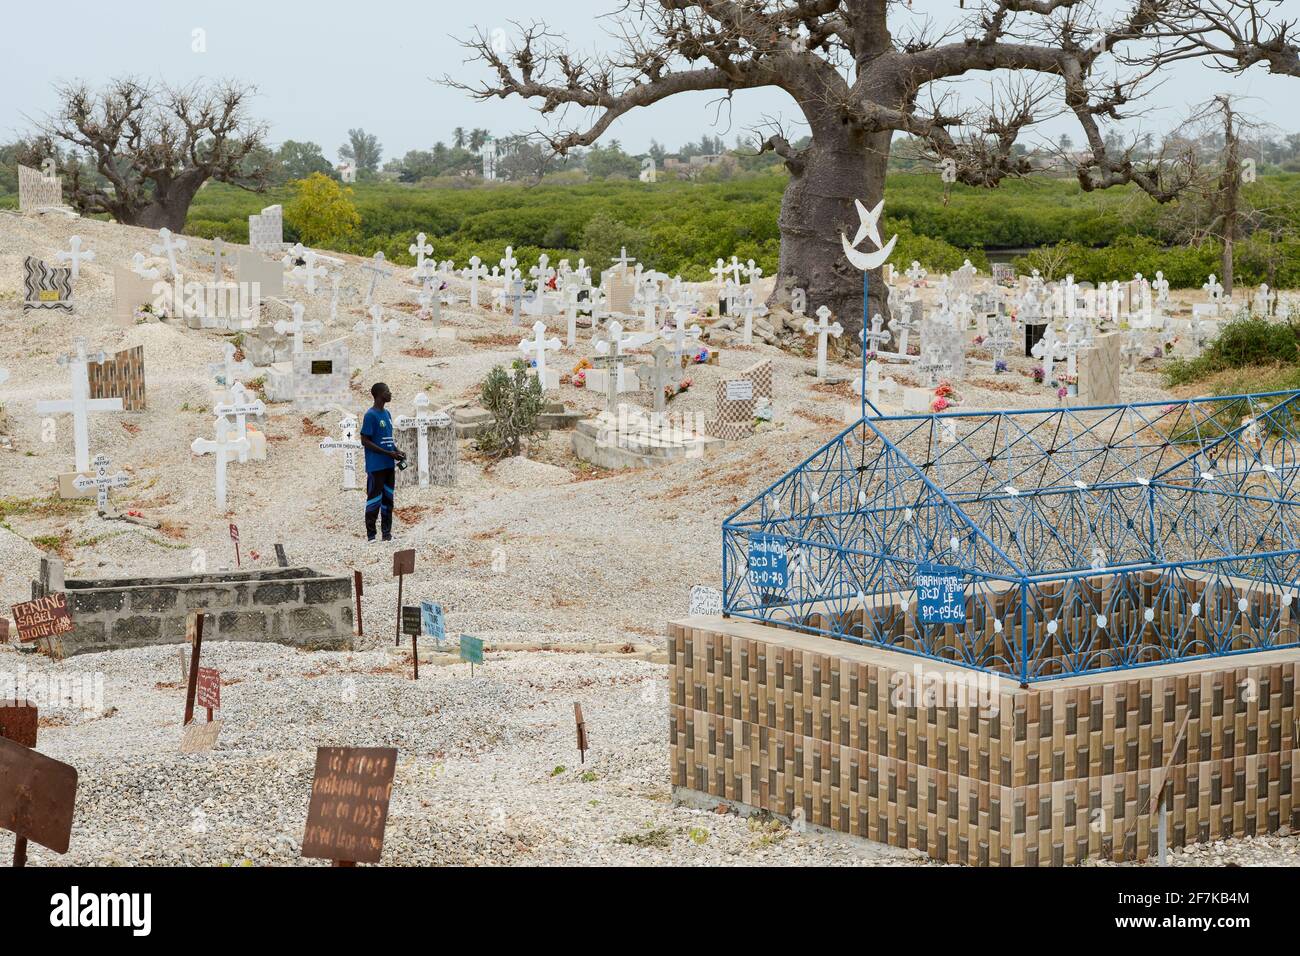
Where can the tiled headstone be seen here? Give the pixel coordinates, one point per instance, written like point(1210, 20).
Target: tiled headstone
point(46, 287)
point(322, 376)
point(121, 376)
point(36, 190)
point(266, 230)
point(736, 403)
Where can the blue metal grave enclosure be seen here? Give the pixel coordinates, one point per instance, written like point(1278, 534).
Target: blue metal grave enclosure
point(1074, 540)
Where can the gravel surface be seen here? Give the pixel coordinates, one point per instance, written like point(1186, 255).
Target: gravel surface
point(541, 552)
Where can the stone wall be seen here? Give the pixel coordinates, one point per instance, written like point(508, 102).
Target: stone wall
point(872, 742)
point(297, 607)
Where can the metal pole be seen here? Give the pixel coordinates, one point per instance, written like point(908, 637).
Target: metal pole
point(865, 287)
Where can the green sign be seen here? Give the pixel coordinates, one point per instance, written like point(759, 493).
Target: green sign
point(471, 649)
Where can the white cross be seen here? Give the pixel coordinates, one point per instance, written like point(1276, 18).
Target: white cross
point(377, 328)
point(378, 270)
point(1132, 348)
point(297, 327)
point(736, 269)
point(719, 272)
point(538, 346)
point(422, 422)
point(1000, 339)
point(238, 403)
point(915, 273)
point(647, 300)
point(680, 335)
point(349, 444)
point(169, 245)
point(508, 263)
point(475, 272)
point(137, 266)
point(515, 296)
point(622, 261)
point(875, 383)
point(102, 481)
point(751, 307)
point(228, 370)
point(307, 272)
point(874, 337)
point(571, 307)
point(75, 256)
point(542, 272)
point(821, 329)
point(1048, 350)
point(419, 249)
point(752, 272)
point(217, 259)
point(223, 447)
point(81, 404)
point(611, 349)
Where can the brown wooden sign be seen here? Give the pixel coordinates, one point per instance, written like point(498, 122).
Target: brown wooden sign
point(4, 629)
point(201, 737)
point(209, 688)
point(45, 617)
point(349, 804)
point(356, 590)
point(37, 796)
point(404, 562)
point(18, 722)
point(582, 730)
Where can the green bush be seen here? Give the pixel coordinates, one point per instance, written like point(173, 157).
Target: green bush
point(1242, 343)
point(515, 400)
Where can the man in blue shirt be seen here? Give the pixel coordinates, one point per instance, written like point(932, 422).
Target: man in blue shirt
point(382, 457)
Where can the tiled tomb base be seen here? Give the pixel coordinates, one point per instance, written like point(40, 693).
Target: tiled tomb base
point(803, 726)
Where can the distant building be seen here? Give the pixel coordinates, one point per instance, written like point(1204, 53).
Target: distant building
point(689, 168)
point(347, 172)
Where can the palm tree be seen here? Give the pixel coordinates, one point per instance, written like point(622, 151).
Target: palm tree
point(477, 138)
point(458, 137)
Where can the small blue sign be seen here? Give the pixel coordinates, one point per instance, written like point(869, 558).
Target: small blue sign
point(940, 594)
point(432, 621)
point(768, 569)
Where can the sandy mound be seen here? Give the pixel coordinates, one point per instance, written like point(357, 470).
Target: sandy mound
point(526, 473)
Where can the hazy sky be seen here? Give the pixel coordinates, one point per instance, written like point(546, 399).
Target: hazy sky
point(326, 66)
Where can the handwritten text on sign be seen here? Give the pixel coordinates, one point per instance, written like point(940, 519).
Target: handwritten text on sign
point(767, 562)
point(940, 594)
point(45, 617)
point(209, 687)
point(349, 803)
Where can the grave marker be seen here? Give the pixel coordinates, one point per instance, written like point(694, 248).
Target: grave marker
point(38, 798)
point(208, 691)
point(168, 245)
point(357, 589)
point(471, 651)
point(46, 287)
point(403, 564)
point(378, 269)
point(75, 256)
point(193, 634)
point(200, 738)
point(433, 621)
point(581, 727)
point(348, 813)
point(43, 618)
point(412, 621)
point(705, 601)
point(102, 481)
point(350, 445)
point(822, 328)
point(81, 404)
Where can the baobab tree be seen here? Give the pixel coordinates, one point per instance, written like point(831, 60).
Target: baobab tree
point(856, 84)
point(1233, 35)
point(148, 149)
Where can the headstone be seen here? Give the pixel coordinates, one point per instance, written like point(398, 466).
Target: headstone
point(377, 328)
point(656, 378)
point(121, 376)
point(131, 293)
point(378, 270)
point(735, 406)
point(266, 231)
point(348, 812)
point(46, 287)
point(297, 327)
point(705, 601)
point(42, 618)
point(534, 351)
point(322, 376)
point(37, 190)
point(265, 276)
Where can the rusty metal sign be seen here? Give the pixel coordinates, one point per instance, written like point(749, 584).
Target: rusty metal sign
point(349, 804)
point(200, 737)
point(45, 617)
point(18, 722)
point(404, 562)
point(4, 629)
point(38, 796)
point(209, 689)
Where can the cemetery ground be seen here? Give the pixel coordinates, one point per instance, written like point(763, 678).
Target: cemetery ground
point(568, 572)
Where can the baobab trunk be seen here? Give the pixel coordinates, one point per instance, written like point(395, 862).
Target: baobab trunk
point(837, 168)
